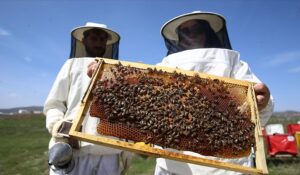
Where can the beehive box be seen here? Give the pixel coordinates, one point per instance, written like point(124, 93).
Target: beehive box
point(172, 108)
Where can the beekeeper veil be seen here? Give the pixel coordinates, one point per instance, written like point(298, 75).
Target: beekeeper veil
point(78, 48)
point(211, 24)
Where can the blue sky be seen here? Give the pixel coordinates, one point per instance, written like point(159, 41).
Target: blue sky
point(35, 40)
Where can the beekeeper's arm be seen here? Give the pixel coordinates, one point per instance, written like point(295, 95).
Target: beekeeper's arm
point(56, 104)
point(264, 99)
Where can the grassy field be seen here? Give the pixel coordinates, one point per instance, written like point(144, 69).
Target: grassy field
point(284, 166)
point(24, 143)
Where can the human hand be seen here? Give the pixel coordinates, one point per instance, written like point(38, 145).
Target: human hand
point(56, 136)
point(262, 94)
point(91, 68)
point(60, 133)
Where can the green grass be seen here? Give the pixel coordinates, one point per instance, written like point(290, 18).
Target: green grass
point(282, 166)
point(141, 166)
point(24, 146)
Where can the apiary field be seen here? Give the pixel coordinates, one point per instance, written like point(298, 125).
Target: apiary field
point(24, 146)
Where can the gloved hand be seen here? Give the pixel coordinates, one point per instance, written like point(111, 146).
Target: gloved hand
point(56, 136)
point(60, 133)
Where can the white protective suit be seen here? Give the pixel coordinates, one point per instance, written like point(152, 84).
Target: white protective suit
point(220, 62)
point(63, 104)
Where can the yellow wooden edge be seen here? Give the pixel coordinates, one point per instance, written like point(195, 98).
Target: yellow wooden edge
point(85, 102)
point(297, 136)
point(74, 132)
point(171, 70)
point(161, 153)
point(93, 80)
point(260, 158)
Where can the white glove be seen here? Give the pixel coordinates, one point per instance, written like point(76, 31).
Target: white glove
point(55, 135)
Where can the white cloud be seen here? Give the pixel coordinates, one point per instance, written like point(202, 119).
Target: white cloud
point(44, 74)
point(286, 57)
point(4, 32)
point(13, 95)
point(28, 59)
point(295, 70)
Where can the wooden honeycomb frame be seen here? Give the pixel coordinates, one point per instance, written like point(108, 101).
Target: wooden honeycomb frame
point(260, 161)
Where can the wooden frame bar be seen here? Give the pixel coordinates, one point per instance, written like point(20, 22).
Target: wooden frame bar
point(259, 153)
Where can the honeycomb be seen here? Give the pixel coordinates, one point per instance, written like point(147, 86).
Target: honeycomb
point(173, 110)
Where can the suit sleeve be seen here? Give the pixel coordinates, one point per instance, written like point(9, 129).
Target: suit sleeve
point(56, 104)
point(242, 72)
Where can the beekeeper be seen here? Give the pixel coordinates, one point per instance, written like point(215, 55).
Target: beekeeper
point(198, 41)
point(62, 104)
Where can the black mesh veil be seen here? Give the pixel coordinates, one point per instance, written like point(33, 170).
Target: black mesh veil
point(78, 48)
point(217, 26)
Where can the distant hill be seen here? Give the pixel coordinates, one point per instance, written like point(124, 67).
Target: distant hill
point(285, 118)
point(286, 114)
point(28, 108)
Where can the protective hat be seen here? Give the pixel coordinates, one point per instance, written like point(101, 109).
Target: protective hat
point(216, 22)
point(78, 49)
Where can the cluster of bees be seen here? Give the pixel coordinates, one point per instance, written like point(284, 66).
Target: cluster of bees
point(174, 110)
